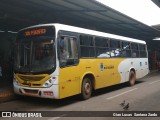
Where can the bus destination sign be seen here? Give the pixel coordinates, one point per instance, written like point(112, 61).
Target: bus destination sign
point(35, 32)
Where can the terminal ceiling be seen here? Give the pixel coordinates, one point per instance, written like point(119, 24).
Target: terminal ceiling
point(16, 14)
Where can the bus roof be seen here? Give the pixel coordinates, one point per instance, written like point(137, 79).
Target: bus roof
point(90, 32)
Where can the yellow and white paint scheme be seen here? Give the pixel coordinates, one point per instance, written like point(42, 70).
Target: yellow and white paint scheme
point(67, 81)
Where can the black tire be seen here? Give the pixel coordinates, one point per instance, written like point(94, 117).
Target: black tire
point(132, 78)
point(86, 90)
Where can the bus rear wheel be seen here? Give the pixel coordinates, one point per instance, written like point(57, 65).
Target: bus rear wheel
point(132, 78)
point(86, 89)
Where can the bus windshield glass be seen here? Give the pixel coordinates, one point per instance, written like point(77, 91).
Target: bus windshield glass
point(35, 50)
point(35, 55)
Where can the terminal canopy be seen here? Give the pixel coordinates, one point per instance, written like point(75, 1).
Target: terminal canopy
point(16, 14)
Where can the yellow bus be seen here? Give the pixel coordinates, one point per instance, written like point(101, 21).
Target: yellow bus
point(57, 61)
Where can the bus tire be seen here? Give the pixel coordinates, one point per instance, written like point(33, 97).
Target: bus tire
point(132, 78)
point(86, 89)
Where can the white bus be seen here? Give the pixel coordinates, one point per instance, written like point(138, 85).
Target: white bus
point(57, 61)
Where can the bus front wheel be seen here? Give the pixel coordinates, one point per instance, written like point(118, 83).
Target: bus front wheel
point(86, 89)
point(132, 78)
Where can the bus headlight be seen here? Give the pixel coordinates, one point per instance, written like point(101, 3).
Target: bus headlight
point(48, 83)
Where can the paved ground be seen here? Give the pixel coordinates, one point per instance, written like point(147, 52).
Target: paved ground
point(144, 96)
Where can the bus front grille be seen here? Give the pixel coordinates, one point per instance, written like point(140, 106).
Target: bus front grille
point(31, 78)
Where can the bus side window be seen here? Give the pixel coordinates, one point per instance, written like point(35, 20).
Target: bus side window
point(87, 46)
point(102, 47)
point(135, 50)
point(142, 49)
point(126, 51)
point(115, 48)
point(68, 51)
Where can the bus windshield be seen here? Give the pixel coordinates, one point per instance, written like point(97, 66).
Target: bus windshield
point(35, 55)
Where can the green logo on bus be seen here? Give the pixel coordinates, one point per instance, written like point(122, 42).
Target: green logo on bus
point(101, 67)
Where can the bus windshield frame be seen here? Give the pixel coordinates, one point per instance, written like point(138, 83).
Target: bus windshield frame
point(35, 54)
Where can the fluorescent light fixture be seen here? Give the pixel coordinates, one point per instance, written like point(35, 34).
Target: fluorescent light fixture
point(157, 38)
point(2, 31)
point(12, 32)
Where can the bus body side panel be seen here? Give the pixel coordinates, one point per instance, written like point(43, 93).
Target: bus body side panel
point(104, 71)
point(69, 81)
point(107, 70)
point(70, 77)
point(139, 64)
point(117, 75)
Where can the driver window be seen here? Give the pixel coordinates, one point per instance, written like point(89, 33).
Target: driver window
point(68, 51)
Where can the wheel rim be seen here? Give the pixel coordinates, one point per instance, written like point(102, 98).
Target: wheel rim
point(87, 88)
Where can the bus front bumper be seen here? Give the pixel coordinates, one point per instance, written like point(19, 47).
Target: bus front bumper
point(51, 92)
